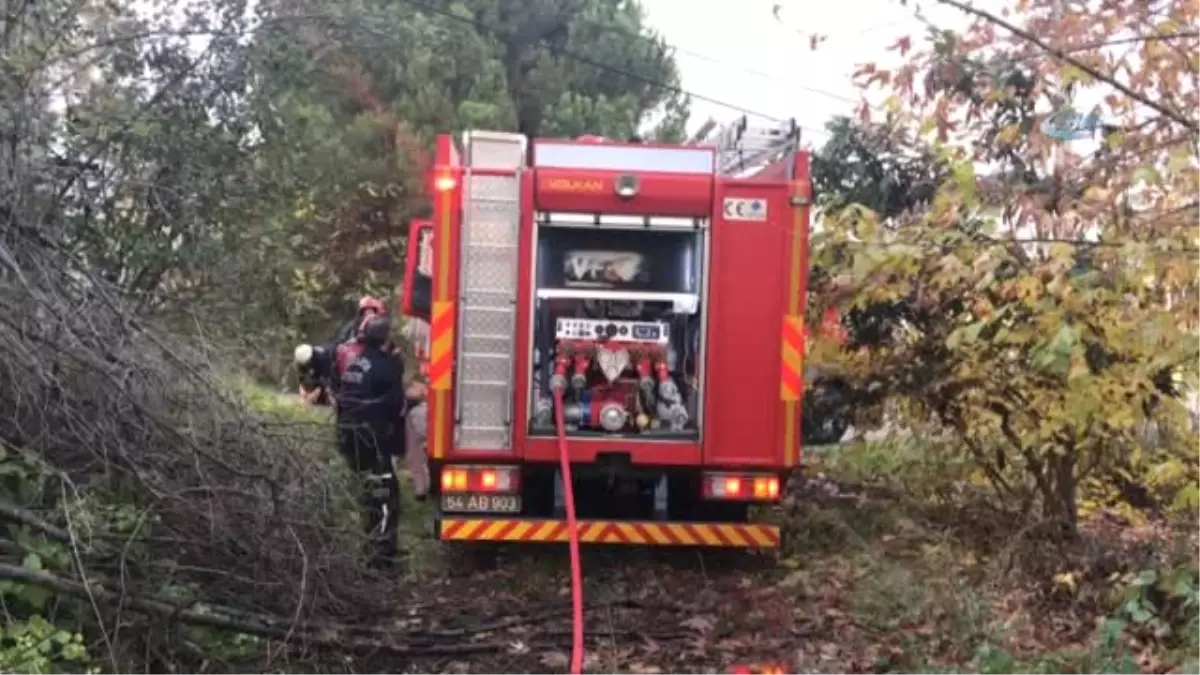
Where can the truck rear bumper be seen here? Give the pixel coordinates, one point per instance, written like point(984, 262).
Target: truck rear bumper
point(646, 533)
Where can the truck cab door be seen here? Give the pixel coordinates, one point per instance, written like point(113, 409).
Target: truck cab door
point(417, 290)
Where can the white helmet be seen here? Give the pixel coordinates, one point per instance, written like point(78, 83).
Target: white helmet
point(303, 354)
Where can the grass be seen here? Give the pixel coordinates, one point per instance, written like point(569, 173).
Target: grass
point(272, 403)
point(887, 549)
point(423, 552)
point(882, 557)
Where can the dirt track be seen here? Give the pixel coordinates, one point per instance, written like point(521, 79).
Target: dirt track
point(648, 609)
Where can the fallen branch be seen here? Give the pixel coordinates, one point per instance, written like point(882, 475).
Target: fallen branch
point(331, 636)
point(312, 635)
point(15, 514)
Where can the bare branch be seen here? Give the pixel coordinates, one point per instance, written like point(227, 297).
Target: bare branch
point(1066, 57)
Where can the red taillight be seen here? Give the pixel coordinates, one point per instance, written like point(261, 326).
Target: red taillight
point(745, 487)
point(480, 479)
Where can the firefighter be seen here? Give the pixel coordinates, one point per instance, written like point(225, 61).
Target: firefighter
point(415, 425)
point(370, 402)
point(367, 307)
point(314, 363)
point(407, 446)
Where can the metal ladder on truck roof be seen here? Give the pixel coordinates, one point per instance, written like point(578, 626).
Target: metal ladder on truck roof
point(742, 147)
point(487, 314)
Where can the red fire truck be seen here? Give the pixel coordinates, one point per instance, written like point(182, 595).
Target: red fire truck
point(648, 298)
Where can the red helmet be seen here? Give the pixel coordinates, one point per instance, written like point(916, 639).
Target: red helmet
point(370, 303)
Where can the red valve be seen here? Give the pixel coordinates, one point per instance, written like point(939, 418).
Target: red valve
point(645, 382)
point(583, 361)
point(660, 369)
point(559, 379)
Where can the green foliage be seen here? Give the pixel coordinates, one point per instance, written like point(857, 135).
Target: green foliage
point(30, 642)
point(234, 180)
point(1160, 605)
point(37, 646)
point(276, 406)
point(1047, 359)
point(347, 136)
point(881, 167)
point(1036, 369)
point(266, 181)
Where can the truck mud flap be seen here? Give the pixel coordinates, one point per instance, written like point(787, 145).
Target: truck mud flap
point(642, 533)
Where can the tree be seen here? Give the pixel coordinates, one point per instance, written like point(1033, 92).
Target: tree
point(1048, 316)
point(345, 133)
point(885, 168)
point(582, 66)
point(174, 180)
point(881, 166)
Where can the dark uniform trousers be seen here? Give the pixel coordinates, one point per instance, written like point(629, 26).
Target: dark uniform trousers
point(368, 452)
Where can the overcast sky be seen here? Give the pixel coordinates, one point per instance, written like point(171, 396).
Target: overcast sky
point(743, 56)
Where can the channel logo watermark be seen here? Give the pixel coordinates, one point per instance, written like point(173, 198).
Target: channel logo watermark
point(1068, 124)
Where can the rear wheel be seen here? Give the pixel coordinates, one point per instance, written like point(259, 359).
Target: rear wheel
point(683, 496)
point(725, 512)
point(537, 492)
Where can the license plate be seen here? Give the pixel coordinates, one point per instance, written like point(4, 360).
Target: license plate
point(482, 503)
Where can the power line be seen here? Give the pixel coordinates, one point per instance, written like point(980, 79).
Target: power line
point(580, 58)
point(759, 73)
point(721, 62)
point(736, 66)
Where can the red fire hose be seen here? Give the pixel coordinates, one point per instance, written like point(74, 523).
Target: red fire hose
point(573, 538)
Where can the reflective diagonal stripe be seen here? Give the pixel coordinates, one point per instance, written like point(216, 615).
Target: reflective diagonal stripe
point(736, 535)
point(441, 351)
point(791, 374)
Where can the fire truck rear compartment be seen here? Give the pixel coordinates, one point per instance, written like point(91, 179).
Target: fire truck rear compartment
point(618, 322)
point(555, 282)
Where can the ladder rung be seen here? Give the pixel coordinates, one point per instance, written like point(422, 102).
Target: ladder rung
point(466, 428)
point(487, 355)
point(491, 291)
point(482, 308)
point(485, 383)
point(483, 245)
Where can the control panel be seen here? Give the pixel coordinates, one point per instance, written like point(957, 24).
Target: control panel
point(653, 332)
